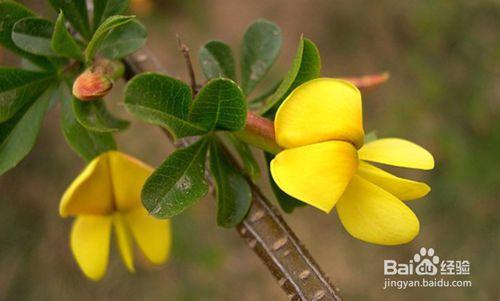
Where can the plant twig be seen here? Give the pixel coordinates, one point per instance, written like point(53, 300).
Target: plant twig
point(189, 65)
point(266, 232)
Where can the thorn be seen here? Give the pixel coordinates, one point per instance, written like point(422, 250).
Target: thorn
point(370, 81)
point(184, 49)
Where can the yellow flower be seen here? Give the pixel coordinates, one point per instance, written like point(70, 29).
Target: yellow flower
point(325, 163)
point(108, 194)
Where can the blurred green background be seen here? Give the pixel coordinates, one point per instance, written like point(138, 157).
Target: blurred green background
point(443, 57)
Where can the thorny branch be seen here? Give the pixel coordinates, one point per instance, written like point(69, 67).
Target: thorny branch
point(264, 230)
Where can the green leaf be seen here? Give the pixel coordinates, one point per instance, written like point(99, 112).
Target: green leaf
point(250, 164)
point(76, 13)
point(261, 46)
point(287, 203)
point(124, 40)
point(18, 135)
point(104, 9)
point(87, 144)
point(94, 116)
point(220, 105)
point(10, 13)
point(18, 87)
point(305, 66)
point(163, 101)
point(102, 32)
point(34, 35)
point(178, 183)
point(234, 196)
point(62, 41)
point(217, 60)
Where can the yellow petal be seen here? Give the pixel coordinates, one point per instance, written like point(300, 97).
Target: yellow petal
point(128, 175)
point(316, 174)
point(124, 241)
point(372, 214)
point(153, 236)
point(320, 110)
point(90, 238)
point(397, 152)
point(90, 192)
point(403, 189)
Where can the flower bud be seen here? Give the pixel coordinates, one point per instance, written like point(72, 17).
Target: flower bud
point(91, 85)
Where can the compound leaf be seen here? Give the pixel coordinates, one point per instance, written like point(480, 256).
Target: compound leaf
point(163, 101)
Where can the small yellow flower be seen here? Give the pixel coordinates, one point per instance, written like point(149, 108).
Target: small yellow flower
point(108, 194)
point(325, 163)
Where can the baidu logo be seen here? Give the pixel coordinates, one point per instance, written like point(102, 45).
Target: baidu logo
point(427, 263)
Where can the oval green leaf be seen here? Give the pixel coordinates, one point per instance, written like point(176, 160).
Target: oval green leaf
point(261, 46)
point(94, 116)
point(178, 183)
point(62, 41)
point(250, 164)
point(216, 60)
point(76, 13)
point(18, 87)
point(104, 9)
point(34, 35)
point(220, 105)
point(124, 40)
point(234, 196)
point(10, 13)
point(102, 32)
point(18, 135)
point(87, 144)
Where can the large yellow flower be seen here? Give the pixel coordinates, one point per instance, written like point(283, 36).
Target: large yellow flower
point(325, 163)
point(108, 194)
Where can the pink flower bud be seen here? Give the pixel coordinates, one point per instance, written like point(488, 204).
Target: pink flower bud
point(91, 85)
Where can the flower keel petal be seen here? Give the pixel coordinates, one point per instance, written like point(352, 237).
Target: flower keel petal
point(153, 236)
point(371, 214)
point(403, 189)
point(397, 152)
point(124, 241)
point(90, 238)
point(316, 174)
